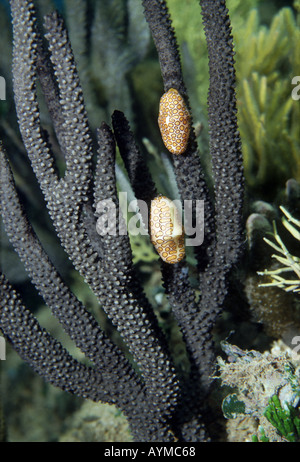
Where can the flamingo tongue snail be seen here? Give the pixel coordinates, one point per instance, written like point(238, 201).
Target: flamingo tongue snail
point(166, 231)
point(174, 121)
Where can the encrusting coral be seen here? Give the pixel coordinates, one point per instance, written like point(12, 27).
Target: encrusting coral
point(159, 404)
point(259, 381)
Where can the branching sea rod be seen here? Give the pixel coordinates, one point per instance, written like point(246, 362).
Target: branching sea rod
point(159, 403)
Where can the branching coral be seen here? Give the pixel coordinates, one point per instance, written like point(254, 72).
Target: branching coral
point(291, 263)
point(268, 115)
point(159, 404)
point(275, 309)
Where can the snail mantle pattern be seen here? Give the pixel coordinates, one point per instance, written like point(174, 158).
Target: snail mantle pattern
point(166, 230)
point(174, 121)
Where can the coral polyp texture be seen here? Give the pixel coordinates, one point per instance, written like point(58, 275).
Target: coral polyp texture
point(75, 169)
point(166, 230)
point(174, 121)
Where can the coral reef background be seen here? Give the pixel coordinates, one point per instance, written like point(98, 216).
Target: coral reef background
point(124, 74)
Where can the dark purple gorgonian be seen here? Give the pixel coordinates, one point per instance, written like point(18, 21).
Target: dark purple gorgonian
point(160, 404)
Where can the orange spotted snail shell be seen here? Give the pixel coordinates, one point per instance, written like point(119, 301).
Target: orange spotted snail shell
point(166, 231)
point(174, 121)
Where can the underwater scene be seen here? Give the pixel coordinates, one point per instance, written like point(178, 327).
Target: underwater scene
point(150, 221)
